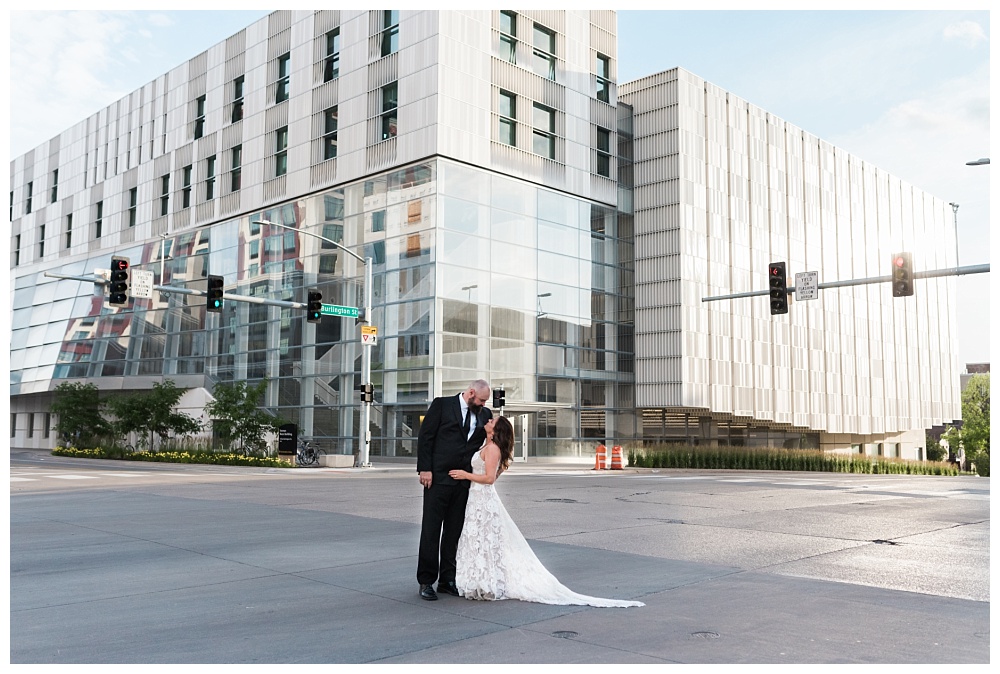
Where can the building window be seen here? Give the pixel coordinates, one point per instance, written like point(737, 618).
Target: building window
point(544, 138)
point(27, 202)
point(199, 117)
point(390, 31)
point(508, 36)
point(98, 219)
point(55, 185)
point(545, 52)
point(236, 175)
point(31, 424)
point(41, 241)
point(165, 195)
point(17, 249)
point(46, 423)
point(331, 69)
point(186, 187)
point(13, 424)
point(603, 78)
point(281, 151)
point(389, 105)
point(69, 231)
point(133, 200)
point(254, 249)
point(210, 178)
point(238, 99)
point(604, 152)
point(508, 117)
point(281, 91)
point(330, 133)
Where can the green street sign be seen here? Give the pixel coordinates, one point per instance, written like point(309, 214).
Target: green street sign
point(337, 310)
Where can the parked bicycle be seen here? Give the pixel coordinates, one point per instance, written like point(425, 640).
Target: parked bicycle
point(306, 454)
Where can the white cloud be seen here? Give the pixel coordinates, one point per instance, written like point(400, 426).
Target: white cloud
point(161, 20)
point(926, 141)
point(57, 81)
point(968, 32)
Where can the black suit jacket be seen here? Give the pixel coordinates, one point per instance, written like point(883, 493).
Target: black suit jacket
point(441, 442)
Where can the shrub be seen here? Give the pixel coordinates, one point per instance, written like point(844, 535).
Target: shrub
point(682, 456)
point(200, 457)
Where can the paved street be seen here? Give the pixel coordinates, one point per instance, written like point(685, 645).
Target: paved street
point(121, 562)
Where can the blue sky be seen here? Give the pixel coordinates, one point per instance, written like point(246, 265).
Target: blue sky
point(906, 90)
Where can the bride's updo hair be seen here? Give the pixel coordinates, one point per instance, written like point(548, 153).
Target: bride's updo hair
point(503, 437)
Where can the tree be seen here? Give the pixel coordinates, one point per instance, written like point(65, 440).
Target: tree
point(237, 416)
point(974, 435)
point(151, 414)
point(935, 452)
point(976, 422)
point(78, 407)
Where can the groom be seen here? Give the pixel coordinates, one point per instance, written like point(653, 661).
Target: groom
point(451, 432)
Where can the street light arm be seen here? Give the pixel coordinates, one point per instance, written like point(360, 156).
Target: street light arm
point(302, 231)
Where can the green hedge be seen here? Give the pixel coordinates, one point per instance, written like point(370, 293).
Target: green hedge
point(741, 458)
point(218, 459)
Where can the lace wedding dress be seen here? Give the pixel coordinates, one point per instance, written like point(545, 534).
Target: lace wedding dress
point(496, 562)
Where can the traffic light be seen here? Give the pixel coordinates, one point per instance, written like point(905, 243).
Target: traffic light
point(314, 308)
point(367, 392)
point(118, 289)
point(902, 275)
point(215, 284)
point(499, 399)
point(779, 288)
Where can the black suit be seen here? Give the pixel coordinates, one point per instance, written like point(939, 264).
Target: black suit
point(441, 447)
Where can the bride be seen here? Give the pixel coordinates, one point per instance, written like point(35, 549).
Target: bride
point(494, 560)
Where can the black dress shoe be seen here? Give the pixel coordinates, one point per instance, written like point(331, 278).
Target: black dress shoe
point(449, 588)
point(427, 592)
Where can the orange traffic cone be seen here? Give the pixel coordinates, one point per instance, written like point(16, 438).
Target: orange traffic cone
point(616, 457)
point(600, 458)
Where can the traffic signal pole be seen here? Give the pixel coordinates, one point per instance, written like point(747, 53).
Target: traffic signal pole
point(364, 433)
point(935, 273)
point(173, 290)
point(365, 437)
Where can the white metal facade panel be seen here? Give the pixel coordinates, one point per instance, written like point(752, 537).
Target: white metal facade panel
point(726, 188)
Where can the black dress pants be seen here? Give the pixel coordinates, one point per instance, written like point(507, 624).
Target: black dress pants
point(444, 515)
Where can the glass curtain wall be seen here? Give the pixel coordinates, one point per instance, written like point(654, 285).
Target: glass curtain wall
point(474, 274)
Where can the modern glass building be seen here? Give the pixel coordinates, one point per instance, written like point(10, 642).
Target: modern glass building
point(530, 221)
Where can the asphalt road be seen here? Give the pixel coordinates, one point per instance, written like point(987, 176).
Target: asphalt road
point(120, 562)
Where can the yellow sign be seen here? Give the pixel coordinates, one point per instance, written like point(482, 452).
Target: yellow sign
point(369, 335)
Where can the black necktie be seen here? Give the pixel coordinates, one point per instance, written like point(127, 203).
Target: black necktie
point(465, 426)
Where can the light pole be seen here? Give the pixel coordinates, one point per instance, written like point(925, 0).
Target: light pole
point(364, 433)
point(954, 209)
point(539, 313)
point(470, 288)
point(163, 258)
point(978, 162)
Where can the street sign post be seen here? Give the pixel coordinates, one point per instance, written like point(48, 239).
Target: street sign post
point(337, 310)
point(807, 285)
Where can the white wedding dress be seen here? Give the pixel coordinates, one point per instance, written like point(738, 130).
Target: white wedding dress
point(495, 561)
